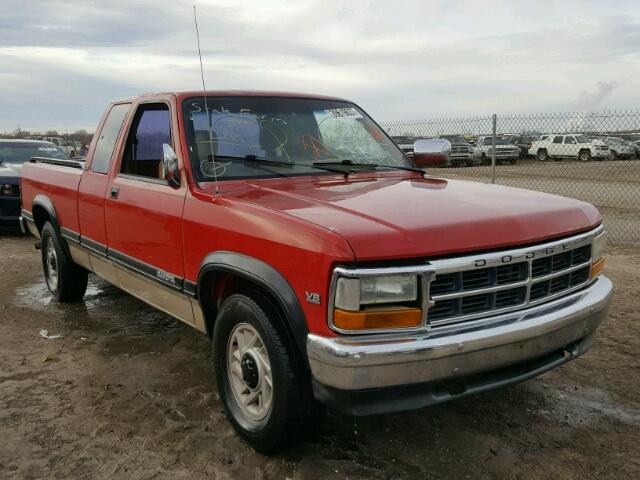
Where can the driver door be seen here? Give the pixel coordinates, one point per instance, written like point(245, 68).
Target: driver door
point(143, 214)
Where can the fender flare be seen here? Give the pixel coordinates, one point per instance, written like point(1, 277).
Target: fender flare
point(270, 280)
point(43, 201)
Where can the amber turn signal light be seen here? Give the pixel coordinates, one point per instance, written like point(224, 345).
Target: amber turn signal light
point(596, 267)
point(379, 318)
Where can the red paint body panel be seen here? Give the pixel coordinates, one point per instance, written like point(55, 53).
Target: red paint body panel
point(145, 222)
point(91, 200)
point(403, 216)
point(59, 184)
point(301, 226)
point(299, 250)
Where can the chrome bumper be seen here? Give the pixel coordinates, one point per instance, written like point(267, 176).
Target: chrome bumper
point(375, 361)
point(23, 226)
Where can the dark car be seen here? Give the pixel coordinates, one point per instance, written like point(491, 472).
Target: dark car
point(405, 143)
point(13, 154)
point(523, 142)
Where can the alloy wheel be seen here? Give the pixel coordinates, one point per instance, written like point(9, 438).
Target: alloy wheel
point(249, 371)
point(51, 266)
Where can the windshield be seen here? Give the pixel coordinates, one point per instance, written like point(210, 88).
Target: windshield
point(279, 136)
point(582, 139)
point(455, 138)
point(499, 141)
point(19, 153)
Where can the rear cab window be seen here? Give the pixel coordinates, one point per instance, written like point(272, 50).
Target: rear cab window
point(108, 138)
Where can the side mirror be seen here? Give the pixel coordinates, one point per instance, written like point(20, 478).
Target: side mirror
point(432, 152)
point(170, 170)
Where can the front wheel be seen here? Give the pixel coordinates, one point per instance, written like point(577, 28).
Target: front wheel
point(542, 155)
point(584, 155)
point(255, 375)
point(66, 280)
point(613, 155)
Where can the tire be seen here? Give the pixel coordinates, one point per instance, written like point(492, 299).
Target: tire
point(584, 155)
point(512, 161)
point(542, 155)
point(267, 428)
point(613, 155)
point(66, 280)
point(469, 162)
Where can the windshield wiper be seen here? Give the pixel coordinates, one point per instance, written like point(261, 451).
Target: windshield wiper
point(367, 165)
point(255, 159)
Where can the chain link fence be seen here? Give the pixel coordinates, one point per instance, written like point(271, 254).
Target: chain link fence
point(593, 157)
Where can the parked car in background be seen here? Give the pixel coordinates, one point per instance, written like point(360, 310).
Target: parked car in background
point(505, 151)
point(405, 143)
point(322, 263)
point(66, 146)
point(523, 142)
point(619, 148)
point(461, 150)
point(13, 155)
point(559, 146)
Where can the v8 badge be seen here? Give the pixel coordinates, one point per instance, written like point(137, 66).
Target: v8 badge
point(313, 297)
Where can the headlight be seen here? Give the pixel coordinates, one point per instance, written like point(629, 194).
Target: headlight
point(370, 302)
point(352, 293)
point(9, 190)
point(597, 254)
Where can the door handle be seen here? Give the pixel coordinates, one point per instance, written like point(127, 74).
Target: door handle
point(114, 192)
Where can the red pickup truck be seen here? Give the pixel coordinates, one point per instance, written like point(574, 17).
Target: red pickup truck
point(326, 267)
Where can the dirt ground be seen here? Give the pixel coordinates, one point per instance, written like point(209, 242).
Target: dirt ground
point(128, 392)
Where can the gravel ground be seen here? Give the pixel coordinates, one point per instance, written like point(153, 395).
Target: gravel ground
point(613, 186)
point(128, 392)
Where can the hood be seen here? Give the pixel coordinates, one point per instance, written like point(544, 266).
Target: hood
point(10, 173)
point(390, 217)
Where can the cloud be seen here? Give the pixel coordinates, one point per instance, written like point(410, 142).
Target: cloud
point(413, 59)
point(590, 100)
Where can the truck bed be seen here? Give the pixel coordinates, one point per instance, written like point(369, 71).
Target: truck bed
point(59, 181)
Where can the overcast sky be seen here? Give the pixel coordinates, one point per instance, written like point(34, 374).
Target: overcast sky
point(61, 62)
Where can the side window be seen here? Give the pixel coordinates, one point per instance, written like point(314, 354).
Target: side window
point(570, 140)
point(557, 139)
point(151, 128)
point(108, 137)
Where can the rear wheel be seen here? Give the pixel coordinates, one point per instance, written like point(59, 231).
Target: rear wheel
point(584, 155)
point(66, 281)
point(542, 155)
point(264, 401)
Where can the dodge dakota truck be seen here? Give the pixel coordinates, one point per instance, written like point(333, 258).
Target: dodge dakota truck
point(327, 269)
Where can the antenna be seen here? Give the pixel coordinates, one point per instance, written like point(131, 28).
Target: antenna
point(206, 107)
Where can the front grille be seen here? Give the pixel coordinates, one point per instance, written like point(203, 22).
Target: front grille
point(460, 149)
point(511, 281)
